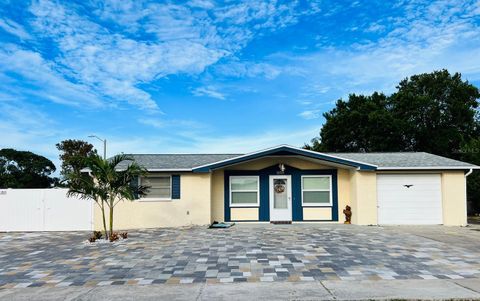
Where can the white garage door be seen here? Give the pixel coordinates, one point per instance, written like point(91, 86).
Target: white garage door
point(409, 199)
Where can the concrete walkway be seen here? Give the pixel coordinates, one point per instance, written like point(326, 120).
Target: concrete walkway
point(315, 290)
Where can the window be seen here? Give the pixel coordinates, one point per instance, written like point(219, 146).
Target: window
point(317, 190)
point(160, 187)
point(244, 191)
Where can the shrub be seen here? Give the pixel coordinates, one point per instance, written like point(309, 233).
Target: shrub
point(97, 234)
point(124, 235)
point(114, 237)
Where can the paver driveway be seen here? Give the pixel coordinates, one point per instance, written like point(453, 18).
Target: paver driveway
point(250, 253)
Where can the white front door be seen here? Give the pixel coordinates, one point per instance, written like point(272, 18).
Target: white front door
point(280, 198)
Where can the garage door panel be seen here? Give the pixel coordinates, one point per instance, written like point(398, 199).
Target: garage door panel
point(400, 200)
point(420, 203)
point(418, 198)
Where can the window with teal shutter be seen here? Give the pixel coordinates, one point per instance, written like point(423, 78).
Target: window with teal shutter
point(134, 185)
point(175, 186)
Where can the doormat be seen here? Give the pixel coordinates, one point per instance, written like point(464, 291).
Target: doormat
point(281, 222)
point(220, 225)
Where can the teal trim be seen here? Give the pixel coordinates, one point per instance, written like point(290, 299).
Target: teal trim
point(285, 151)
point(317, 220)
point(264, 210)
point(134, 186)
point(175, 187)
point(226, 197)
point(296, 175)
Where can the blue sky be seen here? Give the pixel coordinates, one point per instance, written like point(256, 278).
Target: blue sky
point(211, 76)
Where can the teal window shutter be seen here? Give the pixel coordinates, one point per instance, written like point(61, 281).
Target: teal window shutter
point(134, 185)
point(176, 187)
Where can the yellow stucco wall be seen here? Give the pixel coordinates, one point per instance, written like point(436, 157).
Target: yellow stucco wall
point(244, 214)
point(317, 214)
point(363, 195)
point(218, 196)
point(344, 197)
point(269, 161)
point(192, 209)
point(454, 198)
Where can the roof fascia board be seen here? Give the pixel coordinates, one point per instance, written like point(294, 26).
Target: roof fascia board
point(337, 157)
point(162, 169)
point(297, 151)
point(429, 168)
point(169, 169)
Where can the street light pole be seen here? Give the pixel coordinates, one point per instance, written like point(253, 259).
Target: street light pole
point(104, 149)
point(104, 145)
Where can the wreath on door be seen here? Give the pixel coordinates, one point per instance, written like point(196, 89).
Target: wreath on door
point(279, 188)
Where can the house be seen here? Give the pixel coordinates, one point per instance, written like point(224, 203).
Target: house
point(286, 183)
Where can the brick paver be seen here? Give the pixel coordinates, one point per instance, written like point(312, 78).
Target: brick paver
point(243, 253)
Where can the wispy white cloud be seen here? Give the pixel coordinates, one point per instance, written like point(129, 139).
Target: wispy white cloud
point(14, 28)
point(315, 89)
point(310, 114)
point(375, 27)
point(114, 62)
point(209, 91)
point(114, 65)
point(204, 143)
point(254, 142)
point(26, 73)
point(158, 123)
point(206, 4)
point(248, 69)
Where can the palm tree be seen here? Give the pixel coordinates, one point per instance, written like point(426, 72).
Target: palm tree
point(107, 184)
point(83, 186)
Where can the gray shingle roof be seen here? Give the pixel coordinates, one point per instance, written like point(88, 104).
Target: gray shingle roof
point(175, 161)
point(399, 160)
point(381, 160)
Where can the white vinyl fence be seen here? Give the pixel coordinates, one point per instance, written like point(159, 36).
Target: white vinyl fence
point(43, 210)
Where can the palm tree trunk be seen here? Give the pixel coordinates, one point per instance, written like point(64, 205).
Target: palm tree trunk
point(112, 201)
point(104, 221)
point(111, 220)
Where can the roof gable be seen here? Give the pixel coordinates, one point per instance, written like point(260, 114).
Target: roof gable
point(285, 150)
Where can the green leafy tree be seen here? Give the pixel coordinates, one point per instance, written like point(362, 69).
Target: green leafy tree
point(360, 124)
point(436, 112)
point(470, 152)
point(72, 154)
point(24, 169)
point(106, 184)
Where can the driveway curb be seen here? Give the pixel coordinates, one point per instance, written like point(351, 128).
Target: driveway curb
point(315, 290)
